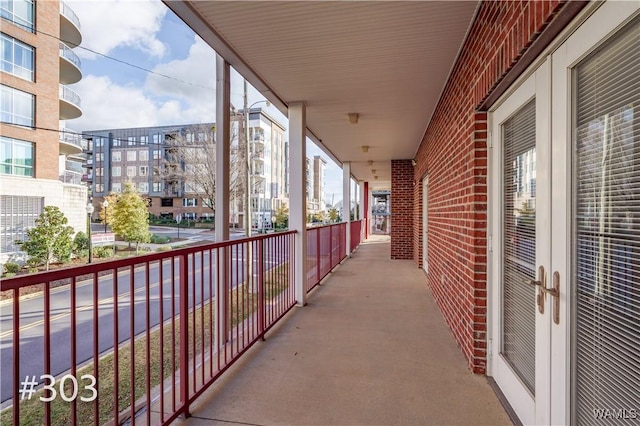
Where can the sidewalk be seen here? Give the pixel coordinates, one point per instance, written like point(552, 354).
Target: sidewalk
point(370, 348)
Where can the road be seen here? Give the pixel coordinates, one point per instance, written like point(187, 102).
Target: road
point(32, 324)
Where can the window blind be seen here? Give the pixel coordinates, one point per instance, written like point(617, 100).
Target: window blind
point(519, 243)
point(607, 232)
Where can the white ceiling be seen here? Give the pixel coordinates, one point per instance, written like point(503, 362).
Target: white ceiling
point(388, 61)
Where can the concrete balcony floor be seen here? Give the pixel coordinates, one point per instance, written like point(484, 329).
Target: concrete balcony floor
point(370, 348)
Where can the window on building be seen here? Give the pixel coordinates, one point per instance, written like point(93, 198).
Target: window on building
point(116, 142)
point(131, 171)
point(131, 140)
point(189, 202)
point(116, 187)
point(99, 142)
point(99, 171)
point(157, 154)
point(17, 107)
point(157, 186)
point(99, 188)
point(99, 156)
point(132, 155)
point(143, 155)
point(19, 12)
point(144, 140)
point(166, 202)
point(16, 157)
point(116, 171)
point(189, 137)
point(17, 215)
point(156, 139)
point(116, 156)
point(17, 58)
point(143, 187)
point(143, 171)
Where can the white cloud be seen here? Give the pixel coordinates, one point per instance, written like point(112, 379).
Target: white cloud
point(194, 76)
point(109, 105)
point(107, 25)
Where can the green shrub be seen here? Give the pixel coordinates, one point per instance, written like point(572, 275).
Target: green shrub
point(80, 244)
point(159, 239)
point(11, 268)
point(103, 252)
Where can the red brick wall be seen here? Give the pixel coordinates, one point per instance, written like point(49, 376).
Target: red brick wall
point(401, 209)
point(454, 155)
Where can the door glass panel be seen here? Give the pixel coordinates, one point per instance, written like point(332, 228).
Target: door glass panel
point(606, 236)
point(519, 243)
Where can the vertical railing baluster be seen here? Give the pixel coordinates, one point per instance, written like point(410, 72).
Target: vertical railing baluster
point(148, 342)
point(47, 347)
point(161, 315)
point(132, 350)
point(173, 333)
point(96, 346)
point(194, 301)
point(184, 335)
point(261, 289)
point(74, 344)
point(116, 343)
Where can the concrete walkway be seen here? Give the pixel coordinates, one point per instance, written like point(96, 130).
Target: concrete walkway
point(370, 348)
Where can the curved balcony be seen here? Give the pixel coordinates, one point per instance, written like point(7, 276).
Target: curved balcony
point(69, 65)
point(69, 104)
point(69, 26)
point(70, 142)
point(72, 177)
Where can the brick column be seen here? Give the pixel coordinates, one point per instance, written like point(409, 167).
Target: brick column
point(401, 209)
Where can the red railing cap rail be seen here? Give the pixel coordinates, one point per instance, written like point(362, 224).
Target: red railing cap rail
point(90, 268)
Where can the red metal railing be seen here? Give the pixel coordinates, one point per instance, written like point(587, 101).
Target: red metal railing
point(325, 249)
point(150, 329)
point(356, 233)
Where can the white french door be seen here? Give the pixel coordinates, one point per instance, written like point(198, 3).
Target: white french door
point(564, 280)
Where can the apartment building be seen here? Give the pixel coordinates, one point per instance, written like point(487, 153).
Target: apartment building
point(41, 159)
point(162, 162)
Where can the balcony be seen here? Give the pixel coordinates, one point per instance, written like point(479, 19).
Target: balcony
point(69, 103)
point(70, 142)
point(69, 65)
point(69, 26)
point(369, 348)
point(72, 177)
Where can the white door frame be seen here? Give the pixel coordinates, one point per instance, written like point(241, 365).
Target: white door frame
point(529, 408)
point(425, 224)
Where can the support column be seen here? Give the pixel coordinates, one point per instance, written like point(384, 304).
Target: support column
point(222, 148)
point(223, 140)
point(298, 194)
point(367, 213)
point(346, 202)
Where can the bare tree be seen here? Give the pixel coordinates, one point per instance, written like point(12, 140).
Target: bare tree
point(190, 162)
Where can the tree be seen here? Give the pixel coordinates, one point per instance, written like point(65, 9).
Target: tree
point(51, 238)
point(190, 162)
point(107, 214)
point(129, 217)
point(282, 217)
point(334, 215)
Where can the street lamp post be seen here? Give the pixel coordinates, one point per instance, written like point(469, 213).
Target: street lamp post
point(105, 204)
point(247, 111)
point(89, 212)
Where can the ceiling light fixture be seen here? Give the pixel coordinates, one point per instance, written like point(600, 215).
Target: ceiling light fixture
point(364, 148)
point(375, 177)
point(370, 163)
point(373, 171)
point(353, 117)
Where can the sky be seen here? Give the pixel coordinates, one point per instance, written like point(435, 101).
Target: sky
point(180, 89)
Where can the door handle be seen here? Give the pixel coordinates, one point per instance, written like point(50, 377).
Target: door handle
point(543, 290)
point(540, 283)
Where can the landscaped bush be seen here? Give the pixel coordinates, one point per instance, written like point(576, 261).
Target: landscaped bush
point(9, 269)
point(159, 239)
point(103, 252)
point(81, 244)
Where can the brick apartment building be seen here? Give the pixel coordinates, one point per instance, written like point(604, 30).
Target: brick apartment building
point(41, 160)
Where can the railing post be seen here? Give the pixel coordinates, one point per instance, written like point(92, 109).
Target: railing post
point(318, 258)
point(184, 336)
point(331, 247)
point(261, 311)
